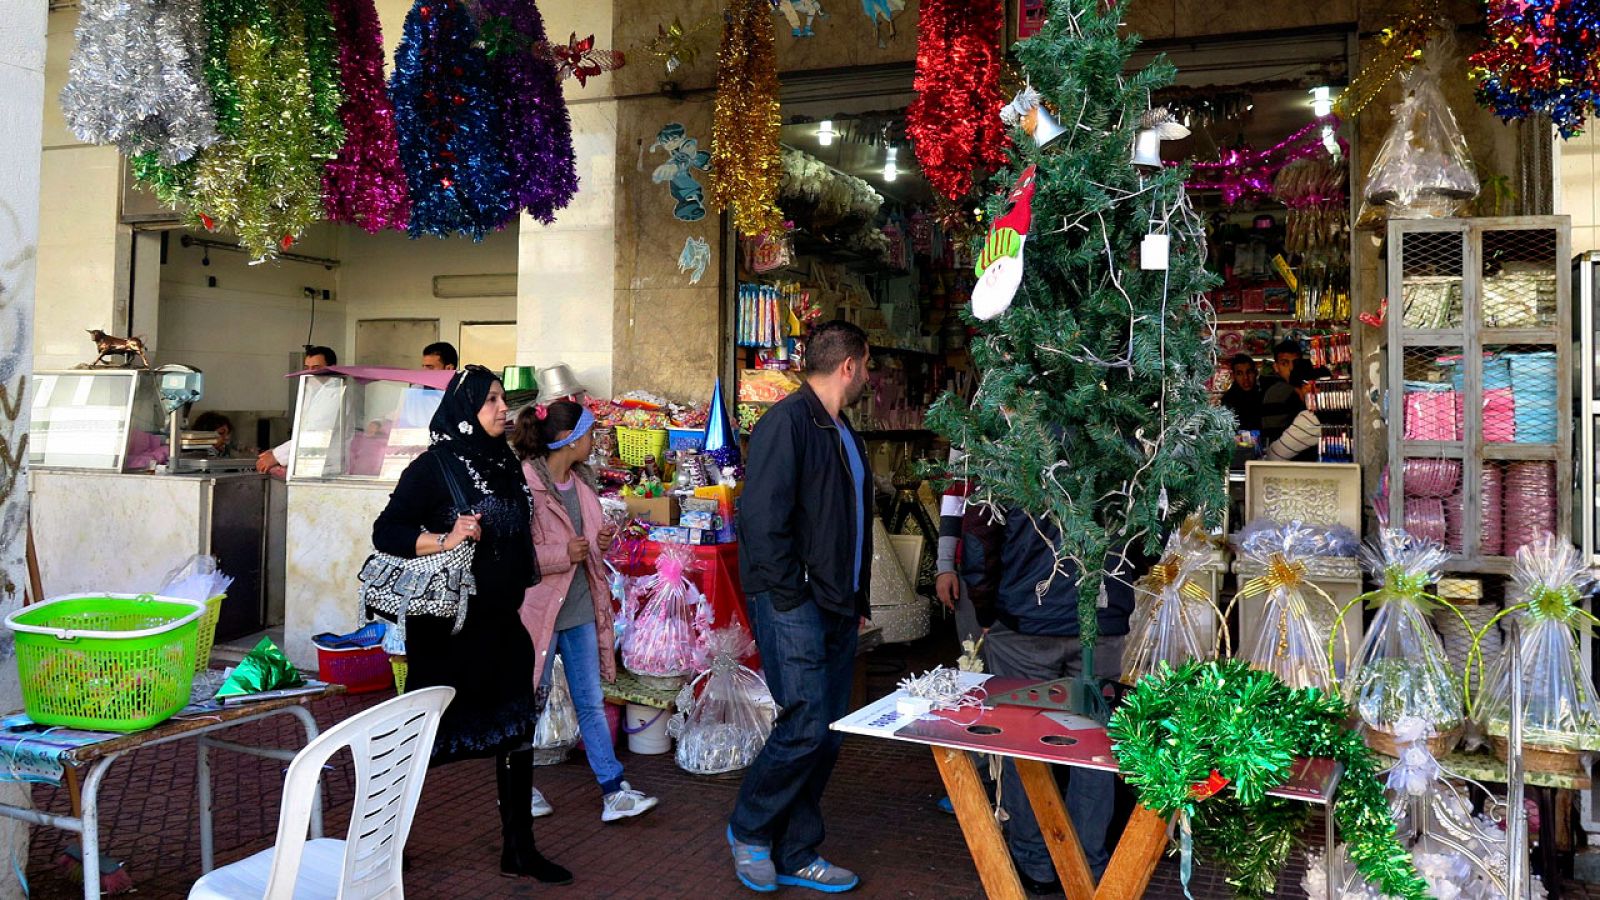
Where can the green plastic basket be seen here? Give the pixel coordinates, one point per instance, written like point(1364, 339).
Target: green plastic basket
point(208, 633)
point(106, 662)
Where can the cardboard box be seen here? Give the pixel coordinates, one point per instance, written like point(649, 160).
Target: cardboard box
point(656, 510)
point(696, 518)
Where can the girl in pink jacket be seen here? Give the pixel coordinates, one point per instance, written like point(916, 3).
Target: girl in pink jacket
point(569, 610)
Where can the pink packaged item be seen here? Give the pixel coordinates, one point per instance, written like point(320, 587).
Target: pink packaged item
point(1499, 416)
point(1432, 416)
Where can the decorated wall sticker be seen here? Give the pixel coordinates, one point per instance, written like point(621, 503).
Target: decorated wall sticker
point(882, 12)
point(684, 156)
point(795, 10)
point(695, 259)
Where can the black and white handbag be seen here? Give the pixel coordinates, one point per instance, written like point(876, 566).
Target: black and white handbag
point(394, 588)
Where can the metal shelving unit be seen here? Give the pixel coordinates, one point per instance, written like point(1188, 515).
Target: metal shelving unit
point(1480, 440)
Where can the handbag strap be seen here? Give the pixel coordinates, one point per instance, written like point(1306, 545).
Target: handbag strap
point(461, 506)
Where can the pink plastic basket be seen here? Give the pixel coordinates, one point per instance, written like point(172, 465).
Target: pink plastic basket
point(362, 670)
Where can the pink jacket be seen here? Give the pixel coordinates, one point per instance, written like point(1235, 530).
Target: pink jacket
point(552, 531)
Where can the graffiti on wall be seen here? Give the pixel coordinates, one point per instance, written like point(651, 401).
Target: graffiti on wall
point(16, 346)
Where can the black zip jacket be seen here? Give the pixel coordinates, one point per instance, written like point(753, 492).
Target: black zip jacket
point(797, 516)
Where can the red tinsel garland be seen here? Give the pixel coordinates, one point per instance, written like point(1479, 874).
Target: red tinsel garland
point(954, 123)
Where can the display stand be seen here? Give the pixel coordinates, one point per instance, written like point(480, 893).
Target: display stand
point(1480, 439)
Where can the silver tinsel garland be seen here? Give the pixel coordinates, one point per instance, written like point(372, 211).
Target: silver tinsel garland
point(135, 78)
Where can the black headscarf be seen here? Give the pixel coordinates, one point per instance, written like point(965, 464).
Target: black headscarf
point(490, 478)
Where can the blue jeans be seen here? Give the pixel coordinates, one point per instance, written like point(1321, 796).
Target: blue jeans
point(580, 658)
point(809, 657)
point(1090, 795)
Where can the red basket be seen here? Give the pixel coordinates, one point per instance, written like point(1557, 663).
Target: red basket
point(362, 670)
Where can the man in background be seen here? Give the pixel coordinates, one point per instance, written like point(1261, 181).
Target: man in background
point(1244, 395)
point(273, 462)
point(440, 356)
point(804, 548)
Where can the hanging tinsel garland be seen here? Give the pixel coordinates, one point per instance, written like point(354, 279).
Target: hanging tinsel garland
point(364, 185)
point(954, 123)
point(535, 133)
point(1206, 742)
point(135, 79)
point(447, 120)
point(745, 165)
point(1541, 56)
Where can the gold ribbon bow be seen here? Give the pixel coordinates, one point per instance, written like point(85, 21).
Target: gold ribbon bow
point(1282, 572)
point(1165, 574)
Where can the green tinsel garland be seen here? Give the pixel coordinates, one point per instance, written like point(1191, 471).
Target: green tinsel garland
point(1178, 727)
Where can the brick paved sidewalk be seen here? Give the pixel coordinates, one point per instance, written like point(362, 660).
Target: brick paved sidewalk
point(880, 809)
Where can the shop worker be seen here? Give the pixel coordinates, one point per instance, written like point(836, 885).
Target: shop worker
point(1244, 395)
point(273, 462)
point(803, 557)
point(1301, 440)
point(440, 356)
point(1028, 601)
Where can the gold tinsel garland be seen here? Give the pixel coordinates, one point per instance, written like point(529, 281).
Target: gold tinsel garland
point(745, 165)
point(1399, 46)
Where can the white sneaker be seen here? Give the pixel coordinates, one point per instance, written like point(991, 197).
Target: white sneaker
point(625, 803)
point(541, 806)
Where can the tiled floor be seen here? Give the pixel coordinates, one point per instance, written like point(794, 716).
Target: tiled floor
point(880, 809)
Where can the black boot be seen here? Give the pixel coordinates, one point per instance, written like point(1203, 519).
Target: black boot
point(520, 858)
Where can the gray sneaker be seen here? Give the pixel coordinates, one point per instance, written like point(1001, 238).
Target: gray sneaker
point(822, 876)
point(753, 864)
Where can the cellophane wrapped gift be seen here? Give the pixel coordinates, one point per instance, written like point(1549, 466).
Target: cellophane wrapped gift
point(557, 731)
point(662, 639)
point(1174, 619)
point(1560, 712)
point(1402, 671)
point(1290, 638)
point(1423, 169)
point(724, 714)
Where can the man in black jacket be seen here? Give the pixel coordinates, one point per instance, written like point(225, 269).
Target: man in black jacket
point(1028, 601)
point(803, 556)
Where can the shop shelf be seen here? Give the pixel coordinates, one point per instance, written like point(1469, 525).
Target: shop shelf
point(1521, 451)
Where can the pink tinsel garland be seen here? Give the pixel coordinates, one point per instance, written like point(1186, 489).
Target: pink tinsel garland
point(364, 185)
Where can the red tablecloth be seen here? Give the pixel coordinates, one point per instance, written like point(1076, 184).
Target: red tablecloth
point(716, 574)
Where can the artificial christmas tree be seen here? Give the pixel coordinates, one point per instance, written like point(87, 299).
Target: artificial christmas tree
point(1092, 414)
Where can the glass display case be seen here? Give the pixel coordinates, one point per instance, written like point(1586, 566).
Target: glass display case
point(101, 419)
point(349, 427)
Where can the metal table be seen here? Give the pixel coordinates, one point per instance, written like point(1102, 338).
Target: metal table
point(98, 757)
point(1035, 739)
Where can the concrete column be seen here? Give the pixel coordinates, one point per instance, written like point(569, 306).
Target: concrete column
point(566, 271)
point(22, 56)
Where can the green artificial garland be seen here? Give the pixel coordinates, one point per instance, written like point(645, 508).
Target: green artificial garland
point(1210, 739)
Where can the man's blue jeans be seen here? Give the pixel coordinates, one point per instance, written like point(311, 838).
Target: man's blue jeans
point(580, 659)
point(809, 656)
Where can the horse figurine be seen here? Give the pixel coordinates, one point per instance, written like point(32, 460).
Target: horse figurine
point(126, 347)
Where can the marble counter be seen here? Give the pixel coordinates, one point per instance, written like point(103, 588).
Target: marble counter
point(328, 536)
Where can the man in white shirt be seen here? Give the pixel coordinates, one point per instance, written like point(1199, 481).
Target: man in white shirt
point(1300, 442)
point(273, 462)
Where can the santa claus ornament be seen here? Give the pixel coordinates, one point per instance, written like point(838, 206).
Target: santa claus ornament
point(999, 267)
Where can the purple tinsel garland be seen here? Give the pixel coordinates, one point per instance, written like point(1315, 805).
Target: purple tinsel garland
point(447, 120)
point(536, 132)
point(364, 185)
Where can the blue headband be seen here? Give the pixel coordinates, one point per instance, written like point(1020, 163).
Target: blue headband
point(585, 422)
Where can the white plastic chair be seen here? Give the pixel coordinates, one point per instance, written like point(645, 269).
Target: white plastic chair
point(391, 743)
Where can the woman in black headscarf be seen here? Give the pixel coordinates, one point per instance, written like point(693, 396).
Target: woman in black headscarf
point(490, 661)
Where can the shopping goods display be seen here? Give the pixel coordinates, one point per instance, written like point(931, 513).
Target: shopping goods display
point(1291, 637)
point(1203, 744)
point(535, 131)
point(1174, 620)
point(1402, 671)
point(1561, 715)
point(1423, 168)
point(199, 577)
point(725, 714)
point(557, 731)
point(364, 185)
point(665, 615)
point(105, 662)
point(1540, 56)
point(953, 124)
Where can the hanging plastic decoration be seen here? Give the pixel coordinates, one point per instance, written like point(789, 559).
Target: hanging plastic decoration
point(579, 59)
point(745, 166)
point(446, 117)
point(1399, 46)
point(365, 184)
point(135, 79)
point(264, 183)
point(674, 45)
point(1540, 56)
point(952, 123)
point(535, 134)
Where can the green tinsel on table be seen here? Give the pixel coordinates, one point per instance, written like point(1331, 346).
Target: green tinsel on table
point(1178, 727)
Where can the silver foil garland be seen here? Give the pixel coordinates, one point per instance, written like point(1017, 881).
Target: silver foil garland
point(135, 78)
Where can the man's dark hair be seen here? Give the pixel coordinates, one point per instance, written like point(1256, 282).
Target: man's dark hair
point(445, 351)
point(1242, 359)
point(211, 420)
point(324, 352)
point(1289, 347)
point(831, 343)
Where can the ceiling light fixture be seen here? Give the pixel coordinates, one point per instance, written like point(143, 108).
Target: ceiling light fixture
point(891, 163)
point(1321, 101)
point(825, 133)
